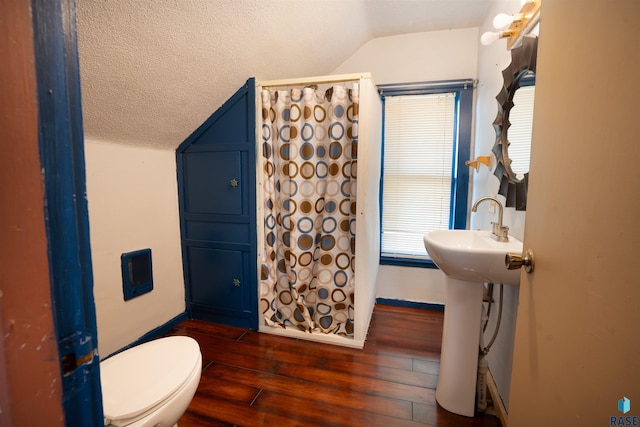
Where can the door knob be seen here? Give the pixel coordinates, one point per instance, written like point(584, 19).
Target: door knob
point(515, 261)
point(234, 183)
point(236, 282)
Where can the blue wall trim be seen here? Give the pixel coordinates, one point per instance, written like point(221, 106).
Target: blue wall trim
point(61, 144)
point(162, 329)
point(408, 262)
point(411, 304)
point(461, 177)
point(155, 333)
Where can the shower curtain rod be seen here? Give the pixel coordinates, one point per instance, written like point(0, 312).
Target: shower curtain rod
point(436, 83)
point(420, 88)
point(315, 80)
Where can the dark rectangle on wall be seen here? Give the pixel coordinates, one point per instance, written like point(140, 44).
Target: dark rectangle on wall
point(137, 273)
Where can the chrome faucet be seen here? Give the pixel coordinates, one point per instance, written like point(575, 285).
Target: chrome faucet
point(500, 232)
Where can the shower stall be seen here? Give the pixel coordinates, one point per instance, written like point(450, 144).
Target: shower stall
point(300, 159)
point(318, 173)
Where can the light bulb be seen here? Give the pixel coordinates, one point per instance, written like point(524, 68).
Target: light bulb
point(502, 20)
point(488, 38)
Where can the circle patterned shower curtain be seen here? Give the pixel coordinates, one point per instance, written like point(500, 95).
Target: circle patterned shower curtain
point(309, 141)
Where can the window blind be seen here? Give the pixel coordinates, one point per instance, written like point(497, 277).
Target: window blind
point(418, 155)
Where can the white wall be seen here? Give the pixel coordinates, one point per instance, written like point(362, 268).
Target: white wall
point(418, 57)
point(133, 204)
point(492, 60)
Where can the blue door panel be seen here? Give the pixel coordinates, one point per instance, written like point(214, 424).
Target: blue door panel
point(232, 123)
point(225, 129)
point(217, 278)
point(215, 182)
point(218, 231)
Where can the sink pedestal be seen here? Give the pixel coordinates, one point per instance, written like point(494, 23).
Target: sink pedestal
point(456, 389)
point(468, 259)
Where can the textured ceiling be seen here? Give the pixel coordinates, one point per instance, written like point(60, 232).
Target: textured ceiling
point(152, 71)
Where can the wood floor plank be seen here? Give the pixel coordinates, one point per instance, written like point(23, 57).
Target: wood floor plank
point(388, 349)
point(232, 413)
point(192, 419)
point(336, 353)
point(309, 410)
point(436, 416)
point(281, 353)
point(426, 366)
point(299, 346)
point(401, 376)
point(366, 385)
point(321, 393)
point(212, 384)
point(406, 340)
point(220, 331)
point(226, 351)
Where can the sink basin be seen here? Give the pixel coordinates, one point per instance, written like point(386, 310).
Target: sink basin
point(473, 255)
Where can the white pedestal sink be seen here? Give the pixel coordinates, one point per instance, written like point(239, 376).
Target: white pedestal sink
point(468, 259)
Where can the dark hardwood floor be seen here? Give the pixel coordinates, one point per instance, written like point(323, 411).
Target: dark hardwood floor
point(256, 379)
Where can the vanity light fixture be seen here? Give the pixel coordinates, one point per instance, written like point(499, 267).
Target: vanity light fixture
point(514, 27)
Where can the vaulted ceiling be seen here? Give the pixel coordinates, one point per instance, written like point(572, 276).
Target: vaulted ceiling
point(153, 70)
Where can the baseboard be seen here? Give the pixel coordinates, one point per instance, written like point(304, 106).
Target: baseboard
point(412, 304)
point(501, 411)
point(154, 333)
point(162, 329)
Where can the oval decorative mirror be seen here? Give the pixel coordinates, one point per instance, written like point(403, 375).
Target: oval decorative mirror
point(513, 125)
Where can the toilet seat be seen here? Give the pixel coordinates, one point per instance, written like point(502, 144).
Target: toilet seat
point(166, 364)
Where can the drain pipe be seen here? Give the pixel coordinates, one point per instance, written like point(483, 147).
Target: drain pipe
point(483, 366)
point(481, 385)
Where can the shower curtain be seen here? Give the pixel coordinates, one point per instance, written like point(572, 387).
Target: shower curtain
point(309, 147)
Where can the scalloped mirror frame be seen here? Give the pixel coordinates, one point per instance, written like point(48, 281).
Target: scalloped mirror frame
point(523, 59)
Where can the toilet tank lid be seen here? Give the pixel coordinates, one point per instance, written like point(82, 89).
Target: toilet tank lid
point(141, 377)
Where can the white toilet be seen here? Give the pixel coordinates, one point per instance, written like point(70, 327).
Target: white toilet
point(151, 384)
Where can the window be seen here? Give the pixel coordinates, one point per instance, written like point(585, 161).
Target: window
point(427, 138)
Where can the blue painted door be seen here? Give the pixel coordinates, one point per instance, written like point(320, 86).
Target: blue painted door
point(67, 222)
point(217, 192)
